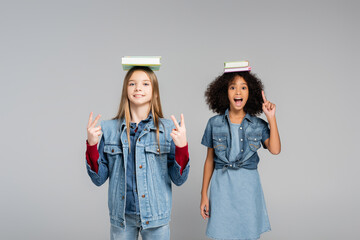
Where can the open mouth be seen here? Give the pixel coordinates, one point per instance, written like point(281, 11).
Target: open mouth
point(238, 101)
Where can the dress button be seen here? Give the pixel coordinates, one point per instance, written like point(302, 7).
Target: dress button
point(158, 150)
point(242, 150)
point(139, 139)
point(241, 139)
point(147, 222)
point(140, 166)
point(255, 139)
point(122, 197)
point(240, 127)
point(143, 196)
point(112, 150)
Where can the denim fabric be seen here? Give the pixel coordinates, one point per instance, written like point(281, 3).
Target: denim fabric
point(235, 143)
point(253, 131)
point(237, 204)
point(132, 200)
point(155, 169)
point(133, 227)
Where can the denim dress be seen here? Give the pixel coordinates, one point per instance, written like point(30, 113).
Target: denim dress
point(237, 205)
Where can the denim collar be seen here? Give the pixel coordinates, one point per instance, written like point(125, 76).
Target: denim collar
point(149, 120)
point(248, 117)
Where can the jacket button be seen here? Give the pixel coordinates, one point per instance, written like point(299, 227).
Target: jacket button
point(140, 166)
point(122, 197)
point(143, 196)
point(112, 150)
point(139, 139)
point(158, 150)
point(147, 222)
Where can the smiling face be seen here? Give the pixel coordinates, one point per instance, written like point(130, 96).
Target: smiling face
point(139, 89)
point(238, 94)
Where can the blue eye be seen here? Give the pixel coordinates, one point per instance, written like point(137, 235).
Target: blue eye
point(131, 84)
point(146, 84)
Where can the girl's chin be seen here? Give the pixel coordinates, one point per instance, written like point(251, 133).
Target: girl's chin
point(237, 108)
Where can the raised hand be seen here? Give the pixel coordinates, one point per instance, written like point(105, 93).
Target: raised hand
point(179, 133)
point(268, 107)
point(93, 132)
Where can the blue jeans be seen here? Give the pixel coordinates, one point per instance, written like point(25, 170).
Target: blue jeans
point(133, 227)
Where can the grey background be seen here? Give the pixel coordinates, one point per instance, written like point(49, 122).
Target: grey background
point(59, 60)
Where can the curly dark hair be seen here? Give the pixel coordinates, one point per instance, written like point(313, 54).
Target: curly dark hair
point(216, 94)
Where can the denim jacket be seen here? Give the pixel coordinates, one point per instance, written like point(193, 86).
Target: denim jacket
point(155, 169)
point(252, 132)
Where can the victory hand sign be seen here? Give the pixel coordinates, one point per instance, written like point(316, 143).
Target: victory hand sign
point(179, 133)
point(93, 132)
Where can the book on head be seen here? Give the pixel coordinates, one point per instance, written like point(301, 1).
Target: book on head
point(243, 69)
point(237, 64)
point(153, 62)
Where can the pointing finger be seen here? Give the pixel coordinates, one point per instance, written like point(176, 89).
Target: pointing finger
point(175, 122)
point(263, 95)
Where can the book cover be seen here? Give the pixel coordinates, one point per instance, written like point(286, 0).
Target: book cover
point(153, 62)
point(242, 69)
point(237, 64)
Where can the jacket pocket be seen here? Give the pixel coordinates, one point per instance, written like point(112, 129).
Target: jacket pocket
point(157, 158)
point(114, 154)
point(219, 143)
point(112, 149)
point(254, 142)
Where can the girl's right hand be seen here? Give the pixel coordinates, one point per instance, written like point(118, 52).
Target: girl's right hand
point(204, 207)
point(93, 132)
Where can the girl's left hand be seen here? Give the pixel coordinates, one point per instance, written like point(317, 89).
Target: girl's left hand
point(268, 107)
point(179, 134)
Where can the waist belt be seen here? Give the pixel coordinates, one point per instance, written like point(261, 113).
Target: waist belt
point(250, 163)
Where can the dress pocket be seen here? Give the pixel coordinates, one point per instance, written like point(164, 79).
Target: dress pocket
point(254, 142)
point(219, 143)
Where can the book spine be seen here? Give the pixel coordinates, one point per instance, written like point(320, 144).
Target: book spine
point(243, 69)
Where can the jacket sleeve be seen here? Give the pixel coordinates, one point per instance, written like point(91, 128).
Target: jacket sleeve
point(175, 169)
point(99, 177)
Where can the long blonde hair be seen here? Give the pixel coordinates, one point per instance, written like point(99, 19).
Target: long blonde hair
point(155, 104)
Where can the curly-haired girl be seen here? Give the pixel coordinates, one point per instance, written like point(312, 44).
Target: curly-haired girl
point(236, 209)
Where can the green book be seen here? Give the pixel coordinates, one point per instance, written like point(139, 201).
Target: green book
point(153, 62)
point(238, 64)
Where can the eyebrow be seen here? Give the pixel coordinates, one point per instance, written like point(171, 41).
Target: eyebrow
point(235, 84)
point(145, 80)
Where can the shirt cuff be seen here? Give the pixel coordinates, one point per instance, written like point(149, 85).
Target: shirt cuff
point(182, 156)
point(92, 155)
